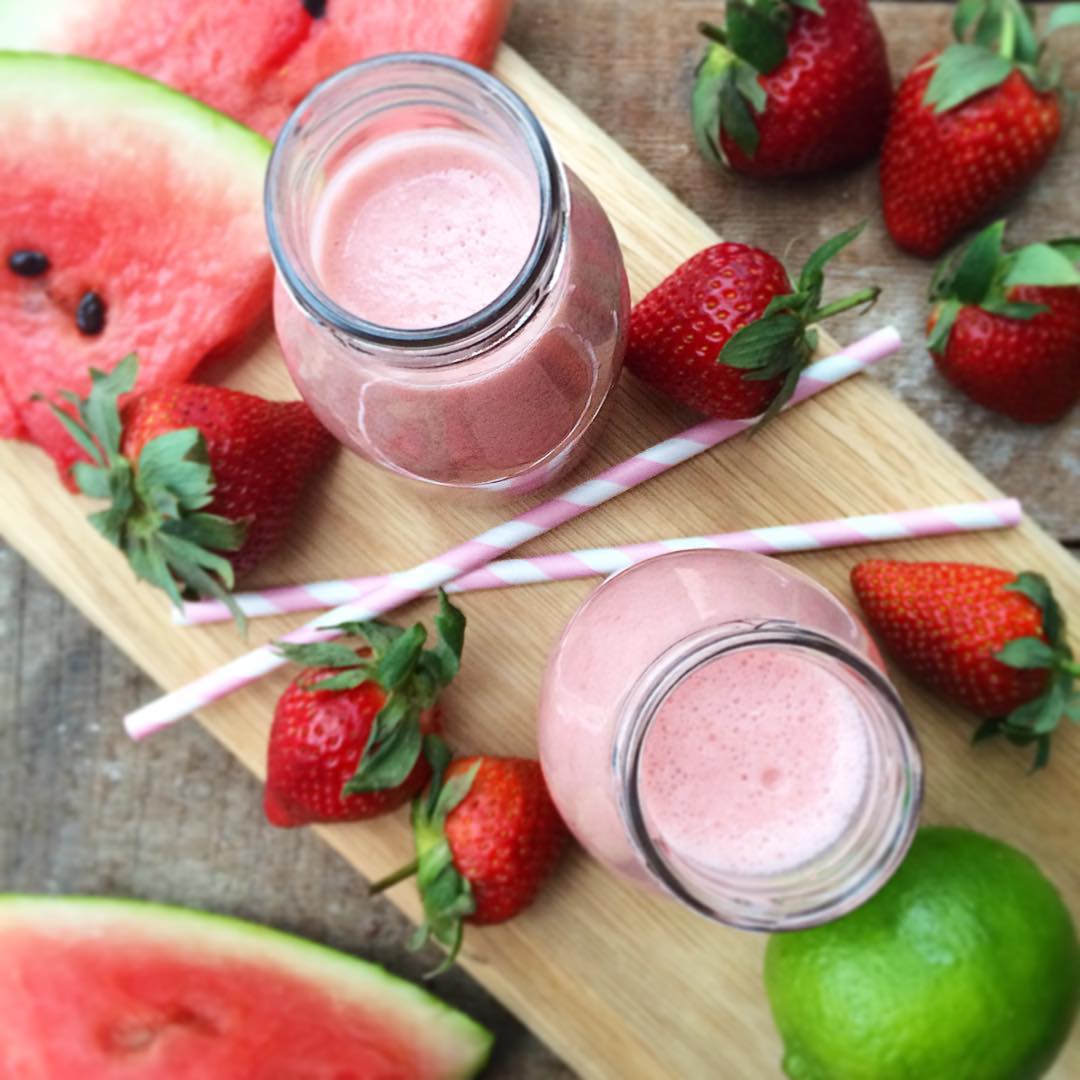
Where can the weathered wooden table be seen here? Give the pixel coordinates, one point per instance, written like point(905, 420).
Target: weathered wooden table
point(179, 820)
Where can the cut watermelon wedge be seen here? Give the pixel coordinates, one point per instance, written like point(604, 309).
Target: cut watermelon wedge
point(102, 989)
point(253, 59)
point(135, 193)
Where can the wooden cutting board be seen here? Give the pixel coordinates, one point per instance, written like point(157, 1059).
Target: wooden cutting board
point(622, 984)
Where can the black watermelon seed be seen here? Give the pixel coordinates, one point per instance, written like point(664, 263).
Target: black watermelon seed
point(315, 8)
point(90, 314)
point(27, 263)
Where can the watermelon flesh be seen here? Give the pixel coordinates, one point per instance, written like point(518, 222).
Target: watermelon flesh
point(252, 59)
point(139, 194)
point(101, 989)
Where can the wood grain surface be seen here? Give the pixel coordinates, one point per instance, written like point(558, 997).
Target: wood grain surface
point(176, 819)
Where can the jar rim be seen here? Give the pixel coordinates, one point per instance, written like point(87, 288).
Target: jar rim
point(490, 318)
point(640, 707)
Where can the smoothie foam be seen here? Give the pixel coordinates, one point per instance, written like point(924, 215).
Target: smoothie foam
point(778, 767)
point(423, 229)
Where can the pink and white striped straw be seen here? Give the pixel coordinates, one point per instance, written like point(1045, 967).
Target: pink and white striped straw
point(403, 587)
point(568, 566)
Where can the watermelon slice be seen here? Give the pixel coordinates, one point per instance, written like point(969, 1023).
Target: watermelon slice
point(252, 59)
point(102, 989)
point(137, 194)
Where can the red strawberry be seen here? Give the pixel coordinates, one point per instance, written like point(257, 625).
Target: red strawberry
point(487, 838)
point(792, 88)
point(316, 742)
point(727, 334)
point(970, 127)
point(989, 640)
point(346, 740)
point(1005, 327)
point(193, 472)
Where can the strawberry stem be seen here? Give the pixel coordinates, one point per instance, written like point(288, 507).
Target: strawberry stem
point(390, 880)
point(863, 296)
point(1007, 44)
point(712, 32)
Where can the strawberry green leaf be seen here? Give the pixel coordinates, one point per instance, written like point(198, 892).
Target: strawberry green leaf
point(102, 413)
point(1069, 246)
point(438, 754)
point(148, 563)
point(988, 729)
point(1041, 264)
point(154, 513)
point(346, 679)
point(749, 85)
point(963, 71)
point(398, 709)
point(388, 762)
point(757, 33)
point(1072, 708)
point(938, 340)
point(736, 120)
point(91, 480)
point(174, 472)
point(398, 661)
point(453, 793)
point(1042, 753)
point(813, 272)
point(808, 5)
point(1062, 16)
point(965, 14)
point(759, 343)
point(993, 25)
point(447, 895)
point(1037, 589)
point(208, 531)
point(380, 635)
point(783, 397)
point(975, 272)
point(1027, 652)
point(450, 625)
point(183, 555)
point(79, 434)
point(713, 74)
point(1013, 309)
point(1042, 715)
point(330, 654)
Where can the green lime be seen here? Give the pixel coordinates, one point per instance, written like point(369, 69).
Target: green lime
point(964, 967)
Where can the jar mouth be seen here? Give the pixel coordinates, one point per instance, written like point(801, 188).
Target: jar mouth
point(844, 874)
point(403, 74)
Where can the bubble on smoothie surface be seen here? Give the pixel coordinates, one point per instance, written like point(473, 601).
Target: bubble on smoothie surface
point(755, 763)
point(423, 229)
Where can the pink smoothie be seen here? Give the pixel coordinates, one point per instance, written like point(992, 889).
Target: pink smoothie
point(754, 764)
point(423, 229)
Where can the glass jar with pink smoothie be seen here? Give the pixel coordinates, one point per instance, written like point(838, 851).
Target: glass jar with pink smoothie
point(719, 727)
point(450, 300)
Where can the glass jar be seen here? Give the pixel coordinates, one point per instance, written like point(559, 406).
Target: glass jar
point(717, 726)
point(503, 398)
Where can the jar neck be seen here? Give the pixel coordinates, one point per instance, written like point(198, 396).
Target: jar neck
point(391, 95)
point(852, 868)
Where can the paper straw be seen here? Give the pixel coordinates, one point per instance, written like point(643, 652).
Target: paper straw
point(771, 540)
point(405, 586)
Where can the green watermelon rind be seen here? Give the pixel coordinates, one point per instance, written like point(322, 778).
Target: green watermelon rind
point(443, 1028)
point(92, 87)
